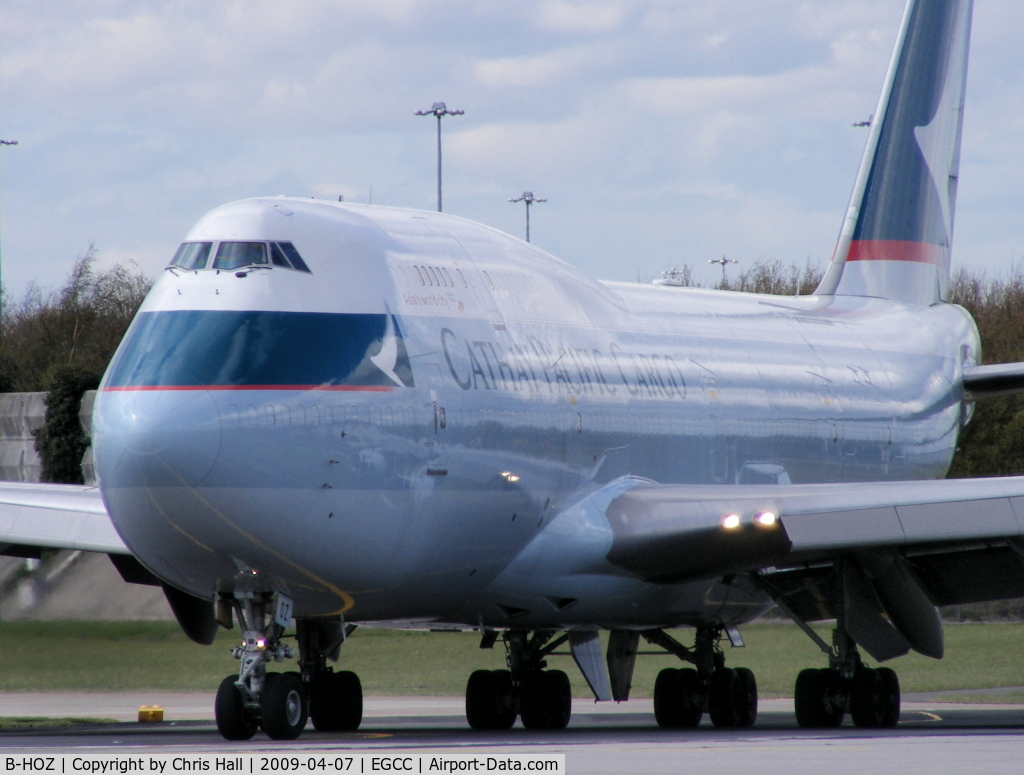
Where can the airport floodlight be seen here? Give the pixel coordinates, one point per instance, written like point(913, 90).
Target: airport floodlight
point(723, 261)
point(439, 109)
point(530, 199)
point(3, 142)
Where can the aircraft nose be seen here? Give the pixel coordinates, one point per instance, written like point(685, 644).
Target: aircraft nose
point(157, 438)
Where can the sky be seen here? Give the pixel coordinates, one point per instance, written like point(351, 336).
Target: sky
point(661, 132)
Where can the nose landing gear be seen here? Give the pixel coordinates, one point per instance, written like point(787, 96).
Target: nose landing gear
point(253, 698)
point(281, 703)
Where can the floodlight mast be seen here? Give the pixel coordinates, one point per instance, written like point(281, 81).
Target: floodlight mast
point(723, 261)
point(530, 199)
point(439, 109)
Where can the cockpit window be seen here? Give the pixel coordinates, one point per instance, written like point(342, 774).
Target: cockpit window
point(277, 257)
point(293, 256)
point(236, 255)
point(233, 255)
point(192, 255)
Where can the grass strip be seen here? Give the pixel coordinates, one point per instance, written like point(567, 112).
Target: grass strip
point(40, 722)
point(156, 656)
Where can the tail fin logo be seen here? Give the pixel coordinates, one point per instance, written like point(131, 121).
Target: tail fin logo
point(939, 140)
point(910, 193)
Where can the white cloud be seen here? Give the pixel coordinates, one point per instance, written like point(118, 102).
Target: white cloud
point(659, 130)
point(541, 70)
point(581, 16)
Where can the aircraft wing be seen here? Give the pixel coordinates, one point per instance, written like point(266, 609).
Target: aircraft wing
point(993, 380)
point(963, 538)
point(882, 554)
point(55, 516)
point(675, 532)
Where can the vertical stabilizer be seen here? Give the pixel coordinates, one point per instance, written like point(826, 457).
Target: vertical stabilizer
point(895, 242)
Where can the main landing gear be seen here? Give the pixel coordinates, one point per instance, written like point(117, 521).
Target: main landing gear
point(541, 698)
point(870, 695)
point(682, 695)
point(281, 703)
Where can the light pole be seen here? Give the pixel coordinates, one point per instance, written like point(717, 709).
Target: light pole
point(723, 261)
point(439, 109)
point(2, 143)
point(530, 199)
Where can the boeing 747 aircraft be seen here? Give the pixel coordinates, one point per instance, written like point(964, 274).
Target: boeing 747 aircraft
point(333, 414)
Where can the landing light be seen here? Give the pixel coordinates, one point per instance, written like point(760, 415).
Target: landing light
point(509, 476)
point(765, 519)
point(731, 521)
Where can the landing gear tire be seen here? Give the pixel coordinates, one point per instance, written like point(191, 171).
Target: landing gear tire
point(490, 700)
point(875, 698)
point(732, 697)
point(546, 700)
point(722, 691)
point(336, 702)
point(283, 706)
point(746, 697)
point(818, 699)
point(678, 698)
point(234, 721)
point(891, 689)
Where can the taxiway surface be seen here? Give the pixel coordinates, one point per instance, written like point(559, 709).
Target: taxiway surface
point(606, 738)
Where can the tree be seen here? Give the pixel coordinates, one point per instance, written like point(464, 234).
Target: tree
point(61, 442)
point(76, 326)
point(61, 341)
point(993, 443)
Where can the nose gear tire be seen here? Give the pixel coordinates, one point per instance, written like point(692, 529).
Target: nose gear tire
point(234, 720)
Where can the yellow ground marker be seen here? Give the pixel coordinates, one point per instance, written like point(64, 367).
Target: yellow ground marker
point(151, 713)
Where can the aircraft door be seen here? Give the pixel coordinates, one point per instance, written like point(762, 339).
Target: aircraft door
point(436, 419)
point(479, 284)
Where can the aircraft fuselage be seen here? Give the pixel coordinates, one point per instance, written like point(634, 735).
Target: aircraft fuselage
point(412, 430)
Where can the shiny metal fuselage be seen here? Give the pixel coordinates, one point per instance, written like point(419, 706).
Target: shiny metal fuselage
point(474, 496)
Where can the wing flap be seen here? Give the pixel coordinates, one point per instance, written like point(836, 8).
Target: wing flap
point(56, 516)
point(959, 520)
point(972, 575)
point(854, 528)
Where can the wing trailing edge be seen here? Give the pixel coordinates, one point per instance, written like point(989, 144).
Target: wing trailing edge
point(993, 380)
point(680, 532)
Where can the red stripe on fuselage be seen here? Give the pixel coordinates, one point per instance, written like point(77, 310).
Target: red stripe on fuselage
point(897, 250)
point(339, 388)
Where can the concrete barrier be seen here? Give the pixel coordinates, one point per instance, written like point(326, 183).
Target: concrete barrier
point(20, 415)
point(85, 418)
